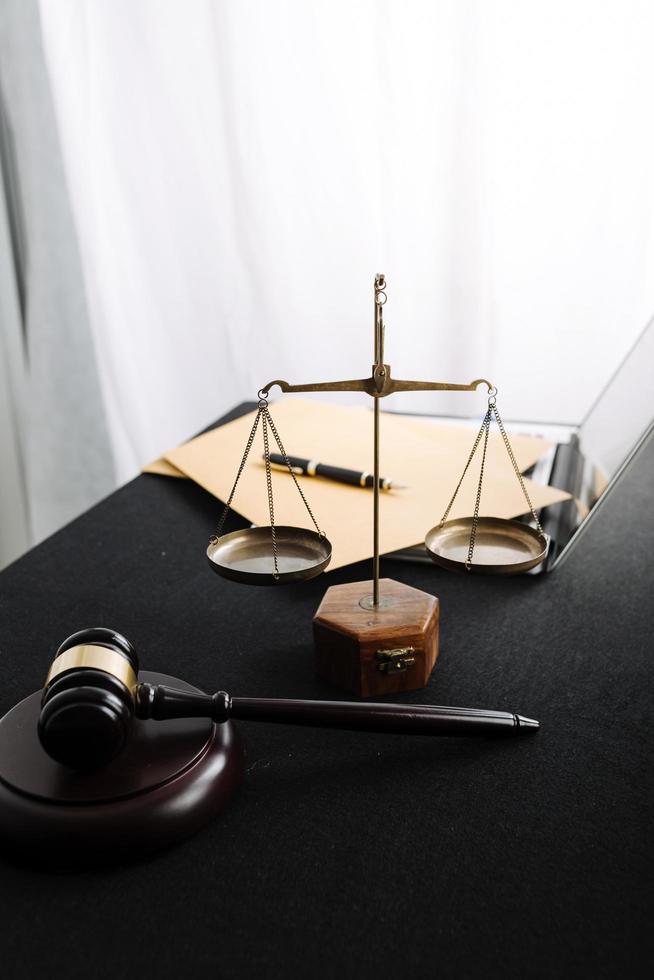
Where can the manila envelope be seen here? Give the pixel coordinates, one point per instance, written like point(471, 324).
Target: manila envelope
point(428, 458)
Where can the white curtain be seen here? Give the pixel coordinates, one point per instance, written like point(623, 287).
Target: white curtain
point(238, 171)
point(55, 453)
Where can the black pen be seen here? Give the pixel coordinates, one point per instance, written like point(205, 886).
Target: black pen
point(311, 467)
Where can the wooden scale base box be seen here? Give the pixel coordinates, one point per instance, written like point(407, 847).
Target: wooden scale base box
point(372, 651)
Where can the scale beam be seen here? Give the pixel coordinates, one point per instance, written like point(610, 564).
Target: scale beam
point(392, 385)
point(364, 384)
point(378, 385)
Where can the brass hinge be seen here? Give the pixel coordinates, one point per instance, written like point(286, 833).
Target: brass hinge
point(395, 661)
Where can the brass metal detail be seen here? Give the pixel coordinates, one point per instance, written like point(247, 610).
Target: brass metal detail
point(244, 556)
point(509, 546)
point(501, 546)
point(96, 658)
point(395, 661)
point(229, 555)
point(378, 385)
point(383, 602)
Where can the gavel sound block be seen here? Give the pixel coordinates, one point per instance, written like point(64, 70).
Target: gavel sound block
point(171, 778)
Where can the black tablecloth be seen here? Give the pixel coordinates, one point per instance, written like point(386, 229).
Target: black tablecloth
point(350, 854)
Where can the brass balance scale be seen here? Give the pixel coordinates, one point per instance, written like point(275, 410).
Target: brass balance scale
point(354, 619)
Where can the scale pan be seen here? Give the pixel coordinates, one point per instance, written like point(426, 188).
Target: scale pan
point(502, 546)
point(247, 555)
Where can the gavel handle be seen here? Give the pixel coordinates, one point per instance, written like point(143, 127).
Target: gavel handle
point(160, 702)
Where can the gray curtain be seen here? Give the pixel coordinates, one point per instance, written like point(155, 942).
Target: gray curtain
point(54, 446)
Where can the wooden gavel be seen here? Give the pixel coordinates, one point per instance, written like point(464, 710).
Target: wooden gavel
point(92, 694)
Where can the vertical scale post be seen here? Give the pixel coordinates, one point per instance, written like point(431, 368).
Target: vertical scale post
point(375, 571)
point(377, 644)
point(378, 370)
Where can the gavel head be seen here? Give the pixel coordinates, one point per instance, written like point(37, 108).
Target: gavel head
point(88, 698)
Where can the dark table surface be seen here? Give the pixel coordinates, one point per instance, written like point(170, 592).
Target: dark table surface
point(349, 854)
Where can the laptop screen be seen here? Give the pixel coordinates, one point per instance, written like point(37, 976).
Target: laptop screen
point(623, 411)
point(613, 430)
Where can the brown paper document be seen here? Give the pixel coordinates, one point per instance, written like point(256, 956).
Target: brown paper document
point(429, 458)
point(161, 467)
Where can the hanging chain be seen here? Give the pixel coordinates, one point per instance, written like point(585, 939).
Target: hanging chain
point(484, 425)
point(280, 445)
point(484, 431)
point(221, 523)
point(475, 519)
point(265, 416)
point(493, 406)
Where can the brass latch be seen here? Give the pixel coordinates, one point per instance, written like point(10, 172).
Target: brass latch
point(395, 661)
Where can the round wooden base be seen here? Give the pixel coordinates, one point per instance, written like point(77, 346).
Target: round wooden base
point(170, 780)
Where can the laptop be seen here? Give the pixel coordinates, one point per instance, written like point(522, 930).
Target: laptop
point(590, 459)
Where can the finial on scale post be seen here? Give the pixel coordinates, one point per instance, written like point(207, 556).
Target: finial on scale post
point(380, 299)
